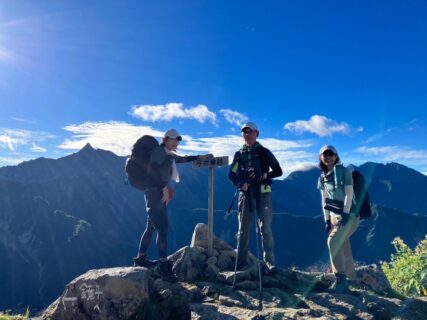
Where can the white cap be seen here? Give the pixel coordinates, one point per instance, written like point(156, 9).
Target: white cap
point(250, 125)
point(327, 147)
point(173, 134)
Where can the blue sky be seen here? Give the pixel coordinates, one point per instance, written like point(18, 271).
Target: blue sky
point(348, 73)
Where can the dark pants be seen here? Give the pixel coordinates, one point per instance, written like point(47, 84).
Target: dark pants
point(252, 202)
point(157, 219)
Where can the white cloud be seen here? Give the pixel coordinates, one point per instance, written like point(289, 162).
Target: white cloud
point(173, 110)
point(36, 148)
point(12, 161)
point(117, 137)
point(7, 142)
point(319, 125)
point(286, 152)
point(395, 153)
point(12, 138)
point(23, 120)
point(234, 117)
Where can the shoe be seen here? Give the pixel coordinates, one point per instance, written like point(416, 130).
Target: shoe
point(164, 268)
point(271, 268)
point(340, 285)
point(142, 261)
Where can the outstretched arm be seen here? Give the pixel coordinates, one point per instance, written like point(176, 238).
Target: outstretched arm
point(182, 159)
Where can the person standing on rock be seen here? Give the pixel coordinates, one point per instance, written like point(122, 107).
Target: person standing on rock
point(157, 199)
point(251, 171)
point(336, 187)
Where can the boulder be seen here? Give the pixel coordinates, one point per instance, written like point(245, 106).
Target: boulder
point(122, 292)
point(372, 277)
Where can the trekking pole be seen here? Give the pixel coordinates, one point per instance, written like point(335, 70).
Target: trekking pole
point(238, 240)
point(228, 212)
point(237, 259)
point(257, 230)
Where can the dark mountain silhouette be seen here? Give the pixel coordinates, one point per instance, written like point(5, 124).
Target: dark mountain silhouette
point(59, 218)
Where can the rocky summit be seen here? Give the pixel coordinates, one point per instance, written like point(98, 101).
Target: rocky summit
point(205, 291)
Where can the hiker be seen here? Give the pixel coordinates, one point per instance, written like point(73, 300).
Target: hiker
point(336, 187)
point(250, 172)
point(158, 197)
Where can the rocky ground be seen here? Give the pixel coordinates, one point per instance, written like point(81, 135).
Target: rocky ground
point(205, 292)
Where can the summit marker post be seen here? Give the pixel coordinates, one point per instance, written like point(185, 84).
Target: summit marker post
point(211, 165)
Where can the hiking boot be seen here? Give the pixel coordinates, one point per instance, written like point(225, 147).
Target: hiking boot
point(164, 268)
point(142, 261)
point(340, 285)
point(270, 268)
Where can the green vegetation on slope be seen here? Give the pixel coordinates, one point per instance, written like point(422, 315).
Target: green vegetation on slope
point(407, 269)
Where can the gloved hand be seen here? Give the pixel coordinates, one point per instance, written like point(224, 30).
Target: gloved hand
point(263, 177)
point(328, 226)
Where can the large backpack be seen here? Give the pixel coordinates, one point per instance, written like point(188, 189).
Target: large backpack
point(137, 165)
point(361, 203)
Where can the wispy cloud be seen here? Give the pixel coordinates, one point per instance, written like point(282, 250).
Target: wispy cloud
point(234, 117)
point(23, 120)
point(12, 138)
point(38, 149)
point(400, 154)
point(170, 111)
point(5, 55)
point(13, 160)
point(117, 137)
point(292, 155)
point(411, 126)
point(319, 125)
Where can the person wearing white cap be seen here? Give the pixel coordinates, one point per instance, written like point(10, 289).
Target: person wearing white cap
point(336, 187)
point(157, 198)
point(251, 171)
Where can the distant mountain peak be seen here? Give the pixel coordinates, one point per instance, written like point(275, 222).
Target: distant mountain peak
point(87, 147)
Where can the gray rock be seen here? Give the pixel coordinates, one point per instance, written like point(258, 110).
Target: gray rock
point(200, 239)
point(212, 260)
point(205, 292)
point(211, 271)
point(226, 260)
point(373, 277)
point(189, 263)
point(412, 309)
point(97, 294)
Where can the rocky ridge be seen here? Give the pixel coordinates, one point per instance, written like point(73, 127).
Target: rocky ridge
point(204, 291)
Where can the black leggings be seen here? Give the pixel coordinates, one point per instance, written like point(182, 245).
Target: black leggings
point(157, 219)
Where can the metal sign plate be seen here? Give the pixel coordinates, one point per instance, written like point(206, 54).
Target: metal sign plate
point(214, 162)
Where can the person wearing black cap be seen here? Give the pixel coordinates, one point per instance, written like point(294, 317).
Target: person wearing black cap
point(336, 188)
point(251, 171)
point(157, 198)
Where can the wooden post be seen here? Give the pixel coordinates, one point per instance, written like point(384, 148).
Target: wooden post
point(210, 210)
point(211, 164)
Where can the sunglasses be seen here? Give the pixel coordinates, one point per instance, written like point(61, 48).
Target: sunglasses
point(247, 131)
point(328, 153)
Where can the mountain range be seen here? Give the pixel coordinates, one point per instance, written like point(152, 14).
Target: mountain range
point(60, 218)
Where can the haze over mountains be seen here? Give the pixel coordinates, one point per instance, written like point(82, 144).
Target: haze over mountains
point(59, 218)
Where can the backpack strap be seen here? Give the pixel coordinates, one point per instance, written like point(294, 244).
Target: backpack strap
point(338, 176)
